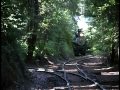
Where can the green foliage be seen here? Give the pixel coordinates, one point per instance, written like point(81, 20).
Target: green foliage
point(12, 26)
point(12, 66)
point(54, 35)
point(50, 21)
point(104, 31)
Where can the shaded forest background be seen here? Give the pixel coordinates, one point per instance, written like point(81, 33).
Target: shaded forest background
point(32, 29)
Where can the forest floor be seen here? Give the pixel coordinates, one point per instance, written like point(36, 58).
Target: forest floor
point(51, 77)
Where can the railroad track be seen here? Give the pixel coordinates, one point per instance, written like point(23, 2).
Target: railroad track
point(72, 74)
point(80, 74)
point(102, 82)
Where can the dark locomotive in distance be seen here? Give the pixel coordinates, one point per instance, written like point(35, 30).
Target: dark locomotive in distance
point(79, 43)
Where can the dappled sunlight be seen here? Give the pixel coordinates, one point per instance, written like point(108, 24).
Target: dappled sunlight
point(49, 70)
point(104, 68)
point(109, 73)
point(41, 69)
point(31, 70)
point(109, 69)
point(93, 66)
point(75, 87)
point(57, 88)
point(52, 66)
point(92, 63)
point(71, 70)
point(71, 64)
point(92, 85)
point(59, 44)
point(113, 86)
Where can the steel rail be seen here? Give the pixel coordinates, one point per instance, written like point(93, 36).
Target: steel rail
point(85, 76)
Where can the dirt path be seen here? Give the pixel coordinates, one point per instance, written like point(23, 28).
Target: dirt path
point(52, 77)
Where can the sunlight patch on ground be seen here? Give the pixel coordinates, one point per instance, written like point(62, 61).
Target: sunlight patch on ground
point(52, 66)
point(31, 70)
point(57, 88)
point(50, 70)
point(92, 85)
point(104, 68)
point(92, 63)
point(41, 69)
point(71, 70)
point(116, 87)
point(71, 64)
point(109, 73)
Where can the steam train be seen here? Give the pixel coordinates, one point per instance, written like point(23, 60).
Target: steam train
point(79, 43)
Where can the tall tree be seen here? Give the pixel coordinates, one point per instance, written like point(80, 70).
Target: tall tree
point(33, 11)
point(51, 19)
point(104, 24)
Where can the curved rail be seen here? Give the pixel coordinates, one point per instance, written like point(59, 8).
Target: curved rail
point(84, 76)
point(65, 76)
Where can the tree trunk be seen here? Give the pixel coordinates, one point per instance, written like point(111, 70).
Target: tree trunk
point(31, 48)
point(112, 56)
point(33, 10)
